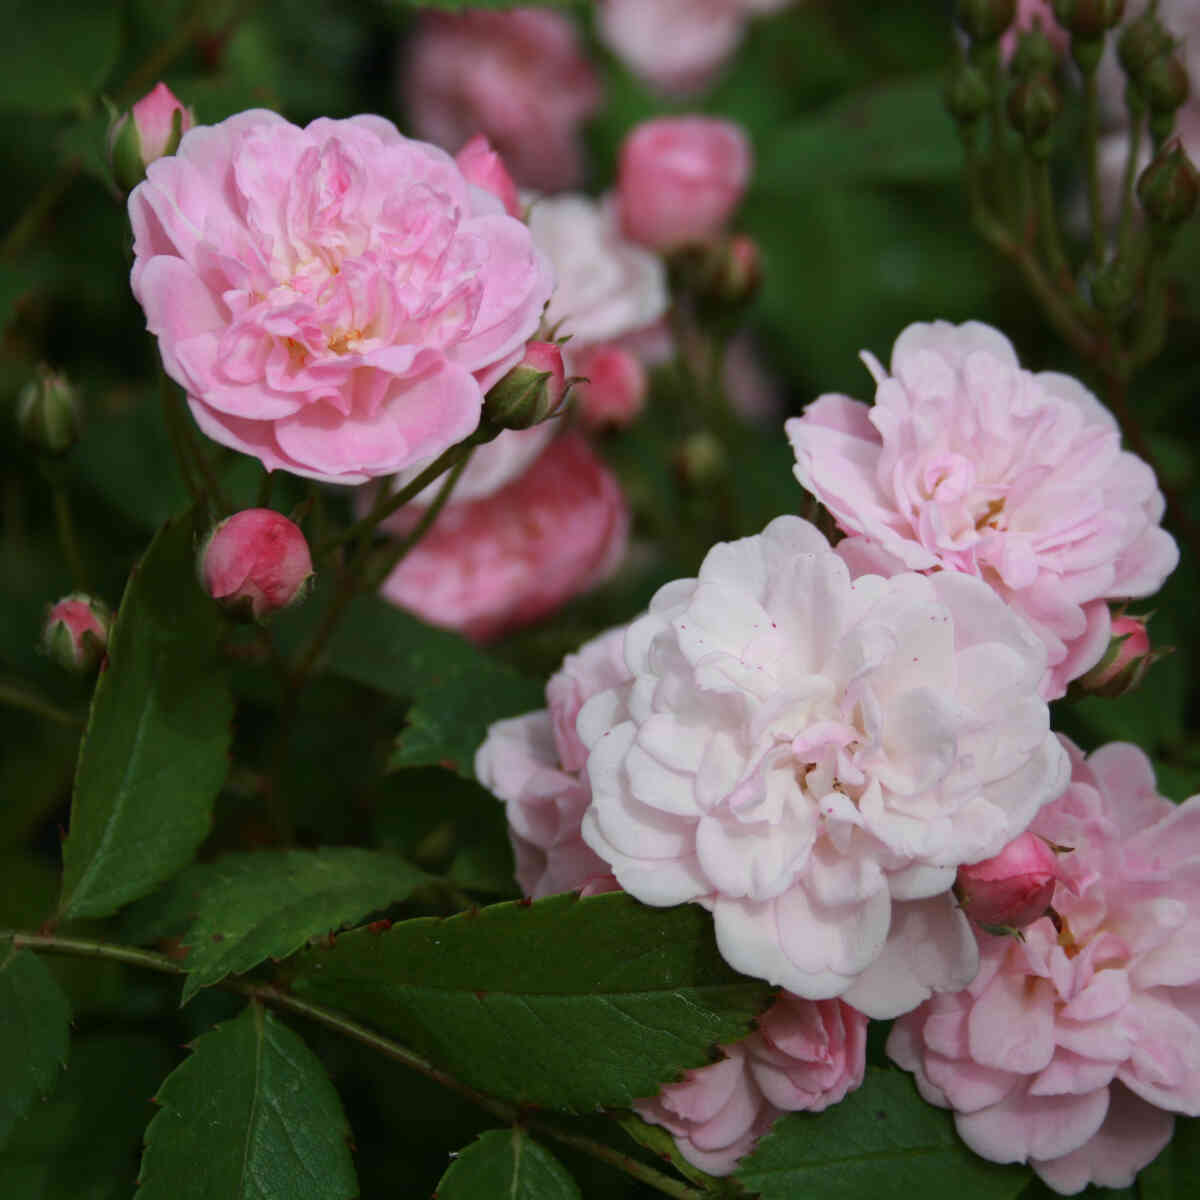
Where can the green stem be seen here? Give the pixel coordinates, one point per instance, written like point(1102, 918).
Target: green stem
point(17, 695)
point(1137, 111)
point(172, 419)
point(1092, 145)
point(995, 73)
point(276, 997)
point(66, 536)
point(1052, 247)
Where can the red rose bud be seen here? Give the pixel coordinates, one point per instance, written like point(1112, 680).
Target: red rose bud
point(76, 632)
point(153, 127)
point(48, 413)
point(256, 563)
point(483, 167)
point(1013, 889)
point(613, 388)
point(1125, 662)
point(532, 391)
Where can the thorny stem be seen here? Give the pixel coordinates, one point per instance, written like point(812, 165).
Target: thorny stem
point(267, 993)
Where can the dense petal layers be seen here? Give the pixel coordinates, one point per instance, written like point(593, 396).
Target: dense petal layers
point(334, 299)
point(968, 463)
point(1071, 1049)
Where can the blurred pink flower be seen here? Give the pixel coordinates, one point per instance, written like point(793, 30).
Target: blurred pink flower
point(812, 759)
point(482, 166)
point(504, 560)
point(969, 463)
point(1029, 14)
point(335, 299)
point(615, 387)
point(678, 45)
point(519, 77)
point(258, 560)
point(1071, 1050)
point(680, 179)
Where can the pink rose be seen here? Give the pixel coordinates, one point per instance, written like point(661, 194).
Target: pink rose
point(1071, 1049)
point(680, 179)
point(335, 299)
point(534, 764)
point(75, 632)
point(483, 167)
point(811, 758)
point(969, 463)
point(497, 563)
point(257, 561)
point(1011, 889)
point(678, 45)
point(519, 77)
point(614, 389)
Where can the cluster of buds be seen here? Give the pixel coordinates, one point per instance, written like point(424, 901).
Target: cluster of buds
point(153, 127)
point(1157, 78)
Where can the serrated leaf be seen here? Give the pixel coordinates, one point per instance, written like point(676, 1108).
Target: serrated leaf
point(53, 57)
point(882, 1139)
point(35, 1021)
point(250, 907)
point(250, 1115)
point(459, 690)
point(508, 1163)
point(638, 994)
point(156, 748)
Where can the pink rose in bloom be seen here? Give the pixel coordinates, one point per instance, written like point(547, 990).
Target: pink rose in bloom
point(483, 167)
point(505, 560)
point(615, 387)
point(337, 299)
point(969, 463)
point(256, 560)
point(534, 763)
point(813, 758)
point(1070, 1051)
point(680, 179)
point(75, 632)
point(520, 77)
point(678, 45)
point(1013, 888)
point(805, 1056)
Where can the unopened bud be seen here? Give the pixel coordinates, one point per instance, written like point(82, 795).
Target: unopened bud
point(1033, 107)
point(152, 128)
point(76, 632)
point(1088, 19)
point(1011, 890)
point(1168, 188)
point(986, 20)
point(483, 167)
point(1142, 43)
point(968, 95)
point(48, 414)
point(613, 389)
point(532, 391)
point(1035, 55)
point(255, 563)
point(700, 459)
point(1125, 663)
point(1165, 84)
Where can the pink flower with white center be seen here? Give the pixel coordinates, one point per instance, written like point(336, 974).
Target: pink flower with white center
point(812, 758)
point(519, 77)
point(257, 561)
point(1072, 1049)
point(505, 560)
point(335, 299)
point(534, 763)
point(678, 45)
point(805, 1056)
point(969, 463)
point(680, 179)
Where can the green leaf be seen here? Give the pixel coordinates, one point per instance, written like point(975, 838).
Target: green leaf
point(250, 907)
point(82, 1143)
point(35, 1023)
point(508, 1163)
point(250, 1115)
point(881, 1140)
point(156, 748)
point(1172, 1175)
point(494, 995)
point(459, 689)
point(53, 57)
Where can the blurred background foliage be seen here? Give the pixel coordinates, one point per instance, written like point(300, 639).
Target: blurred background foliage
point(858, 207)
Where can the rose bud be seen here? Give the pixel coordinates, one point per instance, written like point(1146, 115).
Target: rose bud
point(1168, 188)
point(532, 391)
point(613, 389)
point(76, 632)
point(152, 128)
point(256, 563)
point(680, 178)
point(483, 167)
point(1125, 662)
point(986, 20)
point(1011, 890)
point(48, 413)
